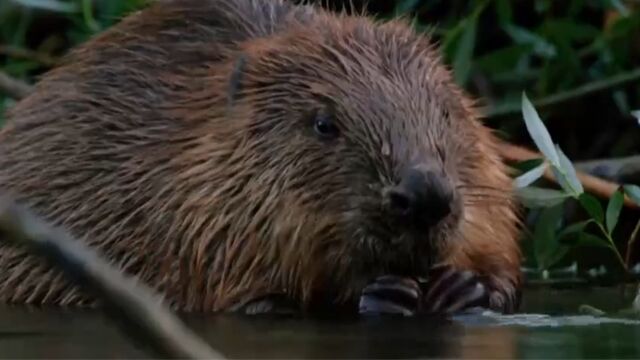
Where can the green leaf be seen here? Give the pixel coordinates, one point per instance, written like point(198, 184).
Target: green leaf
point(636, 114)
point(574, 228)
point(558, 254)
point(624, 26)
point(542, 6)
point(50, 5)
point(593, 207)
point(460, 43)
point(570, 30)
point(406, 6)
point(586, 239)
point(538, 131)
point(504, 11)
point(566, 175)
point(541, 46)
point(575, 8)
point(526, 165)
point(530, 176)
point(450, 40)
point(535, 197)
point(87, 13)
point(620, 7)
point(570, 171)
point(464, 51)
point(613, 210)
point(621, 100)
point(633, 192)
point(502, 60)
point(562, 181)
point(545, 242)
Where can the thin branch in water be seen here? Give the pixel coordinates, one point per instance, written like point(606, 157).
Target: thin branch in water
point(131, 304)
point(13, 88)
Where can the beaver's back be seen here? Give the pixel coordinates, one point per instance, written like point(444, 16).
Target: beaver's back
point(92, 148)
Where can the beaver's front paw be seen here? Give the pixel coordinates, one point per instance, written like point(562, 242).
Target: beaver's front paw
point(504, 298)
point(391, 295)
point(450, 291)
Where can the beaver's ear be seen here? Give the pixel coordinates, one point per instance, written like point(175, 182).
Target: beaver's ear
point(235, 79)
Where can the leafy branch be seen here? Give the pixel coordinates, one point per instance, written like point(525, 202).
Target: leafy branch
point(549, 249)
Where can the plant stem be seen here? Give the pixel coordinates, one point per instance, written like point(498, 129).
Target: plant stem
point(613, 247)
point(632, 240)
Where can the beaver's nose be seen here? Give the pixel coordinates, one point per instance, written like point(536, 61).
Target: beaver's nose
point(421, 197)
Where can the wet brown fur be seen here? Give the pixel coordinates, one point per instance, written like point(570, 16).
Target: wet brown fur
point(175, 143)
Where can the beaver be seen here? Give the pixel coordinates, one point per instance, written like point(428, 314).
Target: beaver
point(255, 155)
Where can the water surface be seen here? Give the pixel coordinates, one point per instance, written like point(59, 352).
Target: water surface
point(549, 326)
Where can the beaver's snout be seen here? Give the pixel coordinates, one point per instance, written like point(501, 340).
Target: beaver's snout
point(422, 197)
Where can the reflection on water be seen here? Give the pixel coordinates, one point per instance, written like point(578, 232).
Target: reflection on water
point(550, 328)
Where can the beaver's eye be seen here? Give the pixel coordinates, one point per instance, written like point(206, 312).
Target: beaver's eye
point(324, 126)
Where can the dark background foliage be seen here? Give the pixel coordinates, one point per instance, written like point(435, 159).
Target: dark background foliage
point(577, 60)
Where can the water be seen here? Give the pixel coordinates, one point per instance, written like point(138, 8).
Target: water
point(549, 327)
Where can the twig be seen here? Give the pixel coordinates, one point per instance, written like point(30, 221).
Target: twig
point(13, 88)
point(587, 89)
point(632, 240)
point(131, 304)
point(624, 169)
point(602, 188)
point(26, 54)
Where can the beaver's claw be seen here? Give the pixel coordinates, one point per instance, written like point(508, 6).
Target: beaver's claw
point(450, 291)
point(447, 291)
point(391, 295)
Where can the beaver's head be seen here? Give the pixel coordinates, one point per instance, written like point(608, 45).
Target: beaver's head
point(352, 154)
